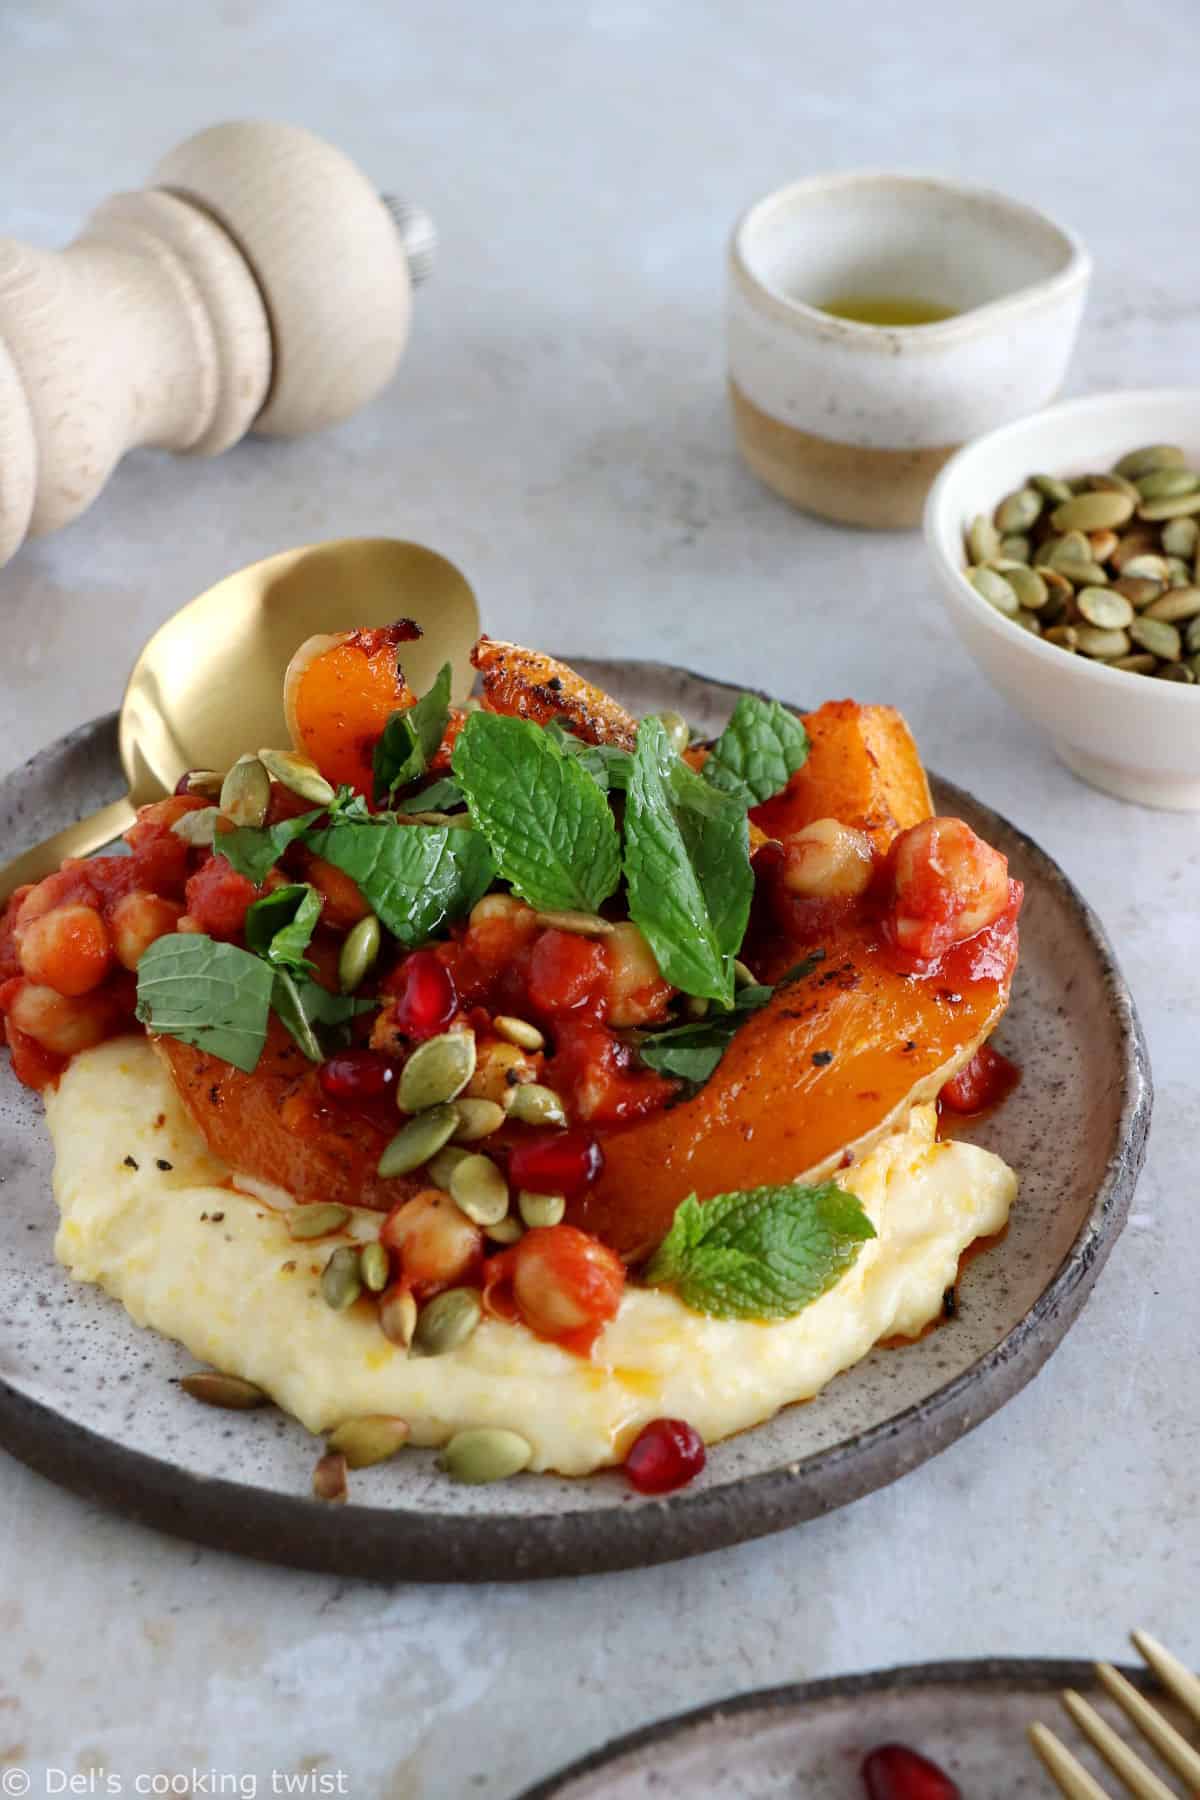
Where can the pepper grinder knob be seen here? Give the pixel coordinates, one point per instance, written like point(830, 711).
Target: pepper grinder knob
point(260, 284)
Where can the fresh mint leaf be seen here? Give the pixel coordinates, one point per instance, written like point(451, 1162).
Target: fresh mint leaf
point(758, 752)
point(549, 825)
point(416, 878)
point(315, 1017)
point(411, 737)
point(439, 796)
point(687, 866)
point(215, 996)
point(765, 1253)
point(253, 850)
point(607, 764)
point(281, 924)
point(692, 1052)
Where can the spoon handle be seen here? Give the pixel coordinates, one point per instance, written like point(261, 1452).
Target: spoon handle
point(79, 839)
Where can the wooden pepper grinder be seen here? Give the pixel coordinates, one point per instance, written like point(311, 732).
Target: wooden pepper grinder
point(258, 284)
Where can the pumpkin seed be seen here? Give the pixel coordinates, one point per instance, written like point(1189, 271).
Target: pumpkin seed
point(1072, 547)
point(1148, 458)
point(485, 1453)
point(340, 1281)
point(679, 732)
point(1175, 506)
point(1092, 512)
point(1103, 544)
point(1174, 606)
point(696, 1006)
point(1019, 510)
point(1194, 665)
point(206, 782)
point(1193, 637)
point(580, 923)
point(214, 1388)
point(1138, 542)
point(1065, 636)
point(298, 774)
point(1104, 608)
point(1102, 646)
point(447, 1321)
point(329, 1478)
point(418, 1140)
point(1139, 590)
point(1177, 672)
point(535, 1104)
point(197, 827)
point(1179, 572)
point(996, 589)
point(1112, 484)
point(374, 1267)
point(1051, 487)
point(541, 1209)
point(246, 792)
point(1015, 548)
point(505, 1231)
point(983, 540)
point(314, 1221)
point(359, 949)
point(518, 1031)
point(1162, 484)
point(1147, 567)
point(1180, 536)
point(743, 975)
point(479, 1189)
point(1138, 662)
point(443, 1165)
point(1084, 574)
point(1157, 636)
point(477, 1119)
point(398, 1316)
point(369, 1440)
point(1029, 622)
point(1030, 590)
point(436, 1071)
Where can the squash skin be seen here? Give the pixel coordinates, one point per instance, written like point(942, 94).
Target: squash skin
point(776, 1111)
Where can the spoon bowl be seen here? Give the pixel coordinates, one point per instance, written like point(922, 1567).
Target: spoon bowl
point(209, 683)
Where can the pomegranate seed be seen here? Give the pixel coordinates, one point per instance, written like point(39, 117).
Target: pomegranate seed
point(563, 1163)
point(665, 1455)
point(893, 1772)
point(425, 995)
point(357, 1075)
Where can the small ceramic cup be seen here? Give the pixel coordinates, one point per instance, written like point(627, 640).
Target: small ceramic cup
point(853, 421)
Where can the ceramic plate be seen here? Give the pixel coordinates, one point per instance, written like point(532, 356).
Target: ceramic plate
point(969, 1717)
point(87, 1397)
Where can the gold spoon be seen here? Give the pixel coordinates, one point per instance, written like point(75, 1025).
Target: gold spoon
point(209, 684)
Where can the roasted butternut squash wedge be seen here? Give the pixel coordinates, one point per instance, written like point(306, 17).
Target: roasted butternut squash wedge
point(862, 768)
point(530, 685)
point(831, 1063)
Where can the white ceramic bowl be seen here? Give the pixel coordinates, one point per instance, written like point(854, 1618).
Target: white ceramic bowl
point(853, 421)
point(1131, 735)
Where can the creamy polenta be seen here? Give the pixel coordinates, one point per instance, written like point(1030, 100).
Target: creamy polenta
point(149, 1214)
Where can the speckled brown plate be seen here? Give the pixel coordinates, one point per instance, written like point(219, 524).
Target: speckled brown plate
point(88, 1398)
point(970, 1717)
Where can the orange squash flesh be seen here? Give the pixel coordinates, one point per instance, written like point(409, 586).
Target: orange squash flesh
point(775, 1111)
point(345, 697)
point(862, 768)
point(529, 685)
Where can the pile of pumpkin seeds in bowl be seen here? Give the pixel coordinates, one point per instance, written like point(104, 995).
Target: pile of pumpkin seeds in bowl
point(1105, 566)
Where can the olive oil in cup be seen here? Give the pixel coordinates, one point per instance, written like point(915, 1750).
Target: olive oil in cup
point(886, 309)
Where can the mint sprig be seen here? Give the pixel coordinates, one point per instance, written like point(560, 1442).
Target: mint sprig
point(253, 850)
point(765, 1253)
point(439, 796)
point(607, 764)
point(692, 1053)
point(416, 878)
point(315, 1017)
point(758, 752)
point(281, 924)
point(687, 867)
point(212, 995)
point(410, 738)
point(547, 821)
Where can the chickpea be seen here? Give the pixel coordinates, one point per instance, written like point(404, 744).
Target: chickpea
point(499, 926)
point(137, 920)
point(438, 1246)
point(499, 1068)
point(566, 1285)
point(59, 1022)
point(948, 884)
point(637, 993)
point(827, 861)
point(67, 948)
